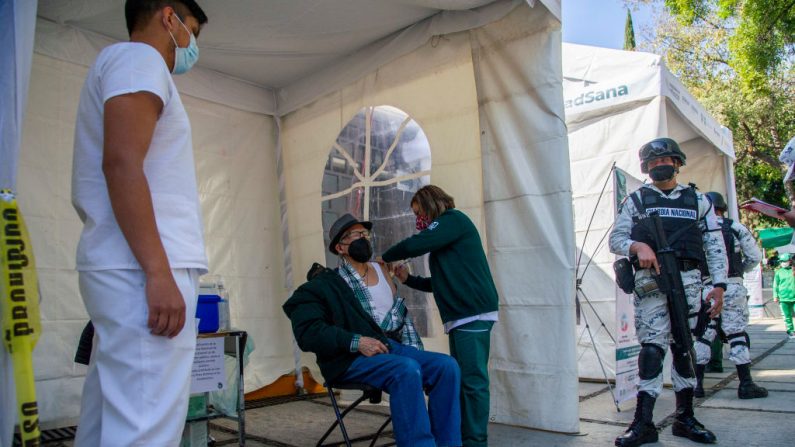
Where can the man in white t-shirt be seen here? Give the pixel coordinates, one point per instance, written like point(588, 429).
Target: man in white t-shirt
point(141, 249)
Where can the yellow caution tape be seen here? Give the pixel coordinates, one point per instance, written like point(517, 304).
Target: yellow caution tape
point(19, 309)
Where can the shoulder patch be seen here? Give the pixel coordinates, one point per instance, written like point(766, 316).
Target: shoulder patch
point(433, 225)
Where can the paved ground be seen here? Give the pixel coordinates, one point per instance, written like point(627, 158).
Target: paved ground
point(759, 422)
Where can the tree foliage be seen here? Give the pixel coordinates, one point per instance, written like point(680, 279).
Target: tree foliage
point(763, 32)
point(629, 33)
point(698, 40)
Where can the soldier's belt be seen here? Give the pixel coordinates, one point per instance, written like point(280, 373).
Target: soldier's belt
point(686, 264)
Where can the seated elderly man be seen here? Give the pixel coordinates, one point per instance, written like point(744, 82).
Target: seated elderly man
point(357, 326)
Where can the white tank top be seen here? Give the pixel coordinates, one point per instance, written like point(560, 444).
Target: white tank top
point(381, 294)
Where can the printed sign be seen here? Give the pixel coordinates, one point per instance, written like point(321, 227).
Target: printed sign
point(627, 346)
point(208, 372)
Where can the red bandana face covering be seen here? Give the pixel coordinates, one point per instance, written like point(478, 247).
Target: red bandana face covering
point(422, 222)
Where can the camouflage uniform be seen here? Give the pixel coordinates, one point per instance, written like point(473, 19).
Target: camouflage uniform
point(652, 324)
point(734, 315)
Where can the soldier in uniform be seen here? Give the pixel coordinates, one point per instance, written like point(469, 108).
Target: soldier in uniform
point(743, 255)
point(693, 232)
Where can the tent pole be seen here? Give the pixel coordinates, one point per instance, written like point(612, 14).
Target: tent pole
point(593, 343)
point(579, 292)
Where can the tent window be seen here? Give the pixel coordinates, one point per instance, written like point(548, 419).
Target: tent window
point(379, 160)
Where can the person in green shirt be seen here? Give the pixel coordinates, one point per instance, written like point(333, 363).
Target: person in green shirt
point(784, 291)
point(465, 294)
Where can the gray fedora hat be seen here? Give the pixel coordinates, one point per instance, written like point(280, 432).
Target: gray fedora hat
point(340, 225)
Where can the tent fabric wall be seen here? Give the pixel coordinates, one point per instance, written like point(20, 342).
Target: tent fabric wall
point(528, 210)
point(375, 55)
point(235, 155)
point(703, 168)
point(604, 131)
point(17, 20)
point(435, 86)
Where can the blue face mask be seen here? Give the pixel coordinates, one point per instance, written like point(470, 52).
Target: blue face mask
point(184, 58)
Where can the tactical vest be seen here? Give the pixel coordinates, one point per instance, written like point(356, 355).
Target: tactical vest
point(674, 214)
point(733, 252)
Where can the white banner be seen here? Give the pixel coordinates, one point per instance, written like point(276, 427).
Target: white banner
point(627, 346)
point(620, 90)
point(756, 301)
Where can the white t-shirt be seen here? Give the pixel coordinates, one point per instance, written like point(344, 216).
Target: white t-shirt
point(169, 168)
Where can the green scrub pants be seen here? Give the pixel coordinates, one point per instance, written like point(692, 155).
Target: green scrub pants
point(786, 311)
point(469, 345)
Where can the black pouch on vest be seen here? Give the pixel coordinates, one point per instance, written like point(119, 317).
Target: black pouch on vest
point(625, 275)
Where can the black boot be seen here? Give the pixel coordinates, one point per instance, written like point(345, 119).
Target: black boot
point(748, 389)
point(698, 391)
point(642, 429)
point(685, 424)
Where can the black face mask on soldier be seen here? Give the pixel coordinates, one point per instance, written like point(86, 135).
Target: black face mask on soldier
point(661, 173)
point(360, 250)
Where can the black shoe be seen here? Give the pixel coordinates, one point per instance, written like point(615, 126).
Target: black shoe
point(748, 389)
point(689, 427)
point(685, 424)
point(751, 391)
point(698, 391)
point(638, 434)
point(642, 429)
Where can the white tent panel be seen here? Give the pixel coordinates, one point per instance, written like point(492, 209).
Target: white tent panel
point(527, 197)
point(701, 161)
point(17, 21)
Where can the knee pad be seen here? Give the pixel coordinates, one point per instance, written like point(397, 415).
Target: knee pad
point(704, 341)
point(650, 361)
point(739, 338)
point(682, 364)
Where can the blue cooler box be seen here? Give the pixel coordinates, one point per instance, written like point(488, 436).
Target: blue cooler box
point(207, 313)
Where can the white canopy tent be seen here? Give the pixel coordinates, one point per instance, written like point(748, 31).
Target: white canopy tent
point(275, 85)
point(615, 102)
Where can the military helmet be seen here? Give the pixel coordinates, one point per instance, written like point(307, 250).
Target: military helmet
point(657, 148)
point(717, 200)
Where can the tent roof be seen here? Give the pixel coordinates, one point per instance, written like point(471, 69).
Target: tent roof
point(293, 48)
point(600, 81)
point(270, 43)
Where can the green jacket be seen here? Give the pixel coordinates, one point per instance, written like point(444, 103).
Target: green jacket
point(325, 316)
point(784, 284)
point(460, 277)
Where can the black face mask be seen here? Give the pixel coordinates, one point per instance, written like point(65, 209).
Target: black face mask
point(661, 173)
point(360, 250)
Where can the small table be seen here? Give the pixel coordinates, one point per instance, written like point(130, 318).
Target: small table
point(234, 344)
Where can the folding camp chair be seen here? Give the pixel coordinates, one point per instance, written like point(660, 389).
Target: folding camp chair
point(368, 392)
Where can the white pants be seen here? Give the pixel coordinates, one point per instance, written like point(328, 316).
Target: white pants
point(137, 387)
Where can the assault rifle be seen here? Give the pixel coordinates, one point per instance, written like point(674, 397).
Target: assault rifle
point(670, 283)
